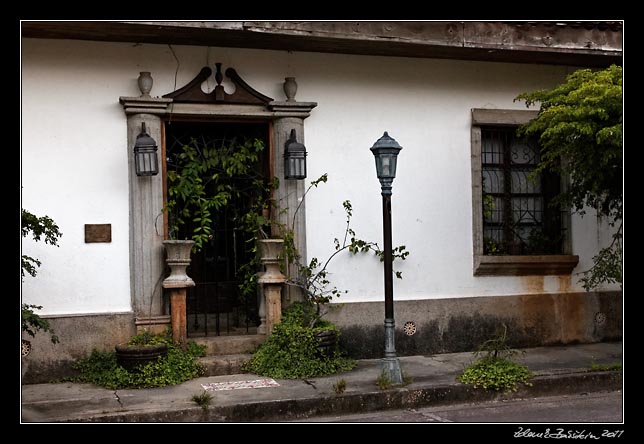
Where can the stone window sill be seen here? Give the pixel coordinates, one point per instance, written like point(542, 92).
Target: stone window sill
point(524, 265)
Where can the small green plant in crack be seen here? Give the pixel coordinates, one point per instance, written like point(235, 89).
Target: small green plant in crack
point(494, 368)
point(594, 367)
point(383, 382)
point(407, 379)
point(203, 399)
point(339, 386)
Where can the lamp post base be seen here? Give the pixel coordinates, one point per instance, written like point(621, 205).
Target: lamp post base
point(391, 368)
point(390, 363)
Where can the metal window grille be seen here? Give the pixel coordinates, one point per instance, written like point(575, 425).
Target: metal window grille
point(519, 215)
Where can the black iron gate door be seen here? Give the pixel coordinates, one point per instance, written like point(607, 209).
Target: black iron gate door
point(216, 305)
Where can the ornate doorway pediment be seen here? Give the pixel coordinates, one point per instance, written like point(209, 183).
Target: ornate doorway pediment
point(244, 94)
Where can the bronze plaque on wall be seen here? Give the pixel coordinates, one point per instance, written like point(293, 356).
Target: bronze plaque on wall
point(98, 233)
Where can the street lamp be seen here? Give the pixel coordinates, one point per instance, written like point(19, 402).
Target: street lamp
point(386, 150)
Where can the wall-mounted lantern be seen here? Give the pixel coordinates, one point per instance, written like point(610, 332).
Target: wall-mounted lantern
point(145, 154)
point(294, 158)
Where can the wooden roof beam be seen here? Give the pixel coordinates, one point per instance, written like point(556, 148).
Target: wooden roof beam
point(590, 44)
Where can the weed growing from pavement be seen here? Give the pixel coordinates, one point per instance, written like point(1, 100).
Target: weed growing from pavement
point(340, 386)
point(494, 368)
point(203, 399)
point(383, 382)
point(594, 367)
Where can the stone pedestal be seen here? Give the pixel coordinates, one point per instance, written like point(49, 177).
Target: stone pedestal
point(178, 258)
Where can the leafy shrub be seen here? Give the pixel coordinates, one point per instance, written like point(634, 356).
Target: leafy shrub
point(291, 351)
point(496, 374)
point(177, 366)
point(494, 368)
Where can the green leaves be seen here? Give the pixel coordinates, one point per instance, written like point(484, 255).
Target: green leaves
point(291, 351)
point(496, 374)
point(32, 322)
point(37, 227)
point(204, 180)
point(494, 368)
point(177, 366)
point(312, 278)
point(579, 126)
point(607, 266)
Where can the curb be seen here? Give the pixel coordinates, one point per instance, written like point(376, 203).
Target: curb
point(397, 398)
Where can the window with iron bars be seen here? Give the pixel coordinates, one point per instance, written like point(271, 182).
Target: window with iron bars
point(519, 214)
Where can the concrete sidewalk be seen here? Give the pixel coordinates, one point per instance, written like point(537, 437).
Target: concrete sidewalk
point(558, 370)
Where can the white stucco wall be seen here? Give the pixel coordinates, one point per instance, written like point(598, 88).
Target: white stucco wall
point(74, 164)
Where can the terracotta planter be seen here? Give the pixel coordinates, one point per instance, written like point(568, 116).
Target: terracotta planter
point(131, 357)
point(178, 258)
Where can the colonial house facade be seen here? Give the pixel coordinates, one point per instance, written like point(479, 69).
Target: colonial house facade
point(445, 91)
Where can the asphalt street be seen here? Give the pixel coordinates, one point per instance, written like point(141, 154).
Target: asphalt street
point(597, 407)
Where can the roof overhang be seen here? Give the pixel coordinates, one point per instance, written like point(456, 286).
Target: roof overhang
point(592, 44)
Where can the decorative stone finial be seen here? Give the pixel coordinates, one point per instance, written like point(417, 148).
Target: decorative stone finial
point(145, 82)
point(290, 88)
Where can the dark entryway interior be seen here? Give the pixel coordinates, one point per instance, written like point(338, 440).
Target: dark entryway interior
point(216, 306)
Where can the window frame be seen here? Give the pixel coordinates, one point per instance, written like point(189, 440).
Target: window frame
point(509, 265)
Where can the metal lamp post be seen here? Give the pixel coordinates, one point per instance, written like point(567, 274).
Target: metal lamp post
point(386, 150)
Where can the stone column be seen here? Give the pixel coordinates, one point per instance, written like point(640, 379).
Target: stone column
point(289, 195)
point(147, 264)
point(290, 115)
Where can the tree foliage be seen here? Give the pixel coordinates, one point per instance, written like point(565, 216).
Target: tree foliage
point(579, 127)
point(38, 228)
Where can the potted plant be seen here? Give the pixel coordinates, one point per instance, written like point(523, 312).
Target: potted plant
point(139, 350)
